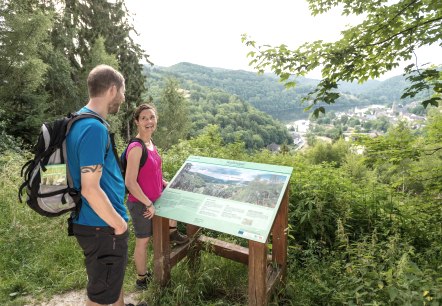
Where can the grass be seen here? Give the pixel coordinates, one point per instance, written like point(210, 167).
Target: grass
point(39, 260)
point(216, 281)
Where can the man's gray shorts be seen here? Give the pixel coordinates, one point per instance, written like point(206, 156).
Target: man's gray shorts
point(142, 226)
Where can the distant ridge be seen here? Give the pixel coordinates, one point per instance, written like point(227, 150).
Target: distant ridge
point(266, 94)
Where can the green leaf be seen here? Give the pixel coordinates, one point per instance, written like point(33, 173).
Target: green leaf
point(433, 101)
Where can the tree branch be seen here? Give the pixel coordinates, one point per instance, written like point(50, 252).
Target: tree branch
point(432, 151)
point(397, 15)
point(401, 32)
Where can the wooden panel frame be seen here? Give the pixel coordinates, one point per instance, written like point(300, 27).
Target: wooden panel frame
point(264, 272)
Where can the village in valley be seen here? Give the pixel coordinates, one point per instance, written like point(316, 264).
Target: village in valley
point(372, 120)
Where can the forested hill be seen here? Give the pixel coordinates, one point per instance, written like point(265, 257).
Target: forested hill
point(236, 118)
point(268, 95)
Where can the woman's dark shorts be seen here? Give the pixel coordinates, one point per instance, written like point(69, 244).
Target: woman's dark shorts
point(142, 226)
point(105, 259)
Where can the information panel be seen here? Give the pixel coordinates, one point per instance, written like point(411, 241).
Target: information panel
point(233, 197)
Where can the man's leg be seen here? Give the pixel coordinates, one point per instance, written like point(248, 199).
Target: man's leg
point(105, 260)
point(90, 303)
point(119, 302)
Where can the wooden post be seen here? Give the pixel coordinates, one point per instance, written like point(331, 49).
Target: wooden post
point(191, 230)
point(161, 250)
point(279, 234)
point(193, 252)
point(257, 273)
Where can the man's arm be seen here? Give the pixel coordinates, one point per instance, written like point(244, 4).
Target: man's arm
point(98, 200)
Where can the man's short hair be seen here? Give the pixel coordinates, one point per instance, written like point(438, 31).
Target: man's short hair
point(101, 78)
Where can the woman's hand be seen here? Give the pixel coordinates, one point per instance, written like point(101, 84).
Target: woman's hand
point(149, 212)
point(165, 183)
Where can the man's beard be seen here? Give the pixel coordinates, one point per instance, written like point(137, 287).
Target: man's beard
point(114, 106)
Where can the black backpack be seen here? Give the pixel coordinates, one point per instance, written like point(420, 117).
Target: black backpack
point(47, 180)
point(123, 160)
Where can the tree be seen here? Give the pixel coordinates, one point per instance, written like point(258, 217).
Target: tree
point(390, 33)
point(393, 155)
point(173, 112)
point(432, 153)
point(23, 38)
point(79, 26)
point(64, 95)
point(46, 50)
point(98, 55)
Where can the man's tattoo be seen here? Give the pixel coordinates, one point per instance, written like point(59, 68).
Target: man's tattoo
point(94, 168)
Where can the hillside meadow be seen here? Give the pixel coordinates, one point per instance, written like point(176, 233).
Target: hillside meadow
point(363, 229)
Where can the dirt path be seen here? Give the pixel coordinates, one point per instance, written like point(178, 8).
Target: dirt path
point(75, 298)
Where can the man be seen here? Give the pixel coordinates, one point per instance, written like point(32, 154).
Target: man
point(101, 224)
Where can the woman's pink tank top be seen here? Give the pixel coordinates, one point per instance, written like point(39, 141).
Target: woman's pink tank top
point(150, 177)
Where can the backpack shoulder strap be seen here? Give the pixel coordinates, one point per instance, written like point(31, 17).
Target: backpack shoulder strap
point(78, 116)
point(144, 151)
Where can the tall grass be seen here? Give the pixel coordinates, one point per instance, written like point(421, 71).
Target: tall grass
point(214, 281)
point(38, 259)
point(351, 242)
point(36, 255)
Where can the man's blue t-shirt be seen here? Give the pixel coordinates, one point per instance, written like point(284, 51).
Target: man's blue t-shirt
point(86, 145)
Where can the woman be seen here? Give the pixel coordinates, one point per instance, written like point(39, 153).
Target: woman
point(145, 186)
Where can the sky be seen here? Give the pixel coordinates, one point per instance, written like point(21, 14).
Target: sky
point(208, 32)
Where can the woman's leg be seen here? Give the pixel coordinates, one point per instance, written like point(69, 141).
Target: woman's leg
point(175, 236)
point(140, 255)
